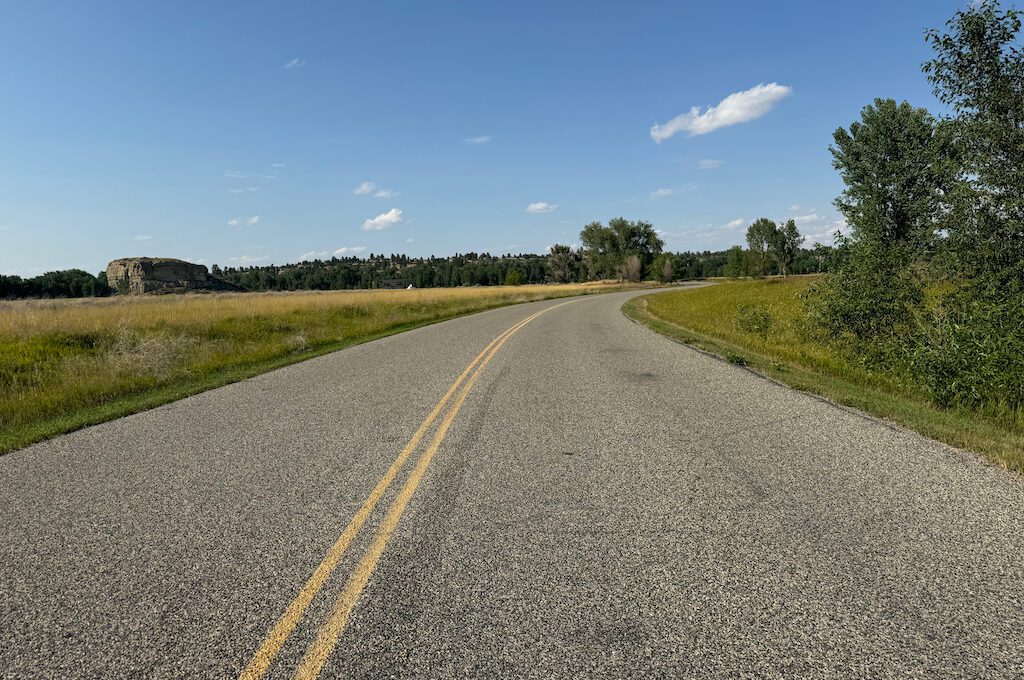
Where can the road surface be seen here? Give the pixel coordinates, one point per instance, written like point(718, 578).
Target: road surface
point(591, 500)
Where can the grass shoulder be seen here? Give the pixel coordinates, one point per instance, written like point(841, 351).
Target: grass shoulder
point(716, 319)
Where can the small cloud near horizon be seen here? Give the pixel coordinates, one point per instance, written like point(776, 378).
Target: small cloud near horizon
point(738, 107)
point(347, 251)
point(294, 63)
point(541, 207)
point(482, 139)
point(142, 237)
point(384, 220)
point(709, 164)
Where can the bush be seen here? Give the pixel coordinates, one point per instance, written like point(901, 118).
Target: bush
point(973, 355)
point(755, 319)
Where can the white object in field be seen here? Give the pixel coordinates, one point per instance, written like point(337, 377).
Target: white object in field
point(410, 287)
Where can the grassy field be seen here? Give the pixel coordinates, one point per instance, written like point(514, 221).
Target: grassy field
point(760, 324)
point(65, 364)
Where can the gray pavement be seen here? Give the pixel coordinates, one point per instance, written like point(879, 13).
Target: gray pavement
point(608, 503)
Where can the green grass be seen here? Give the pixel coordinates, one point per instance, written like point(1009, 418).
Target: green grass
point(66, 364)
point(713, 318)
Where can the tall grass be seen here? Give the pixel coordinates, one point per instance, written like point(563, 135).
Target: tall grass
point(68, 363)
point(763, 324)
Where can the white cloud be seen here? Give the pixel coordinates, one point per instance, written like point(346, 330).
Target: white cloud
point(294, 63)
point(384, 220)
point(410, 239)
point(278, 165)
point(234, 222)
point(738, 107)
point(364, 188)
point(349, 251)
point(255, 219)
point(796, 207)
point(541, 207)
point(314, 255)
point(482, 139)
point(734, 224)
point(709, 164)
point(385, 193)
point(234, 174)
point(140, 237)
point(662, 193)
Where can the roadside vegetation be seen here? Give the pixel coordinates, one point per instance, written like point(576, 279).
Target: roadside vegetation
point(65, 364)
point(925, 299)
point(764, 324)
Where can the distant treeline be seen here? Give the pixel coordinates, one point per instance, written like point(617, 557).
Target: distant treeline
point(483, 269)
point(563, 265)
point(68, 283)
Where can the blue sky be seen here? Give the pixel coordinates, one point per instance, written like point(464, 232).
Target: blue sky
point(259, 132)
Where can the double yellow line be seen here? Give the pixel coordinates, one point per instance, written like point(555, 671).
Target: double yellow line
point(330, 631)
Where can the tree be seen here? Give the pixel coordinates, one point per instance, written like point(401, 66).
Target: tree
point(894, 164)
point(565, 264)
point(736, 263)
point(786, 245)
point(514, 277)
point(631, 269)
point(664, 267)
point(978, 71)
point(761, 234)
point(606, 249)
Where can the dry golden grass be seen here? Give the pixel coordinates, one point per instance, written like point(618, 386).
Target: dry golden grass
point(69, 363)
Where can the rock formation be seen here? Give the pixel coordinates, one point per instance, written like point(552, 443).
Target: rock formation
point(137, 275)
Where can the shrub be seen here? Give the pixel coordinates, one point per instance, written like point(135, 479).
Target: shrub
point(755, 319)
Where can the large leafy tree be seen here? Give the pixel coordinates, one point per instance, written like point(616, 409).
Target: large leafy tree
point(761, 235)
point(978, 70)
point(607, 249)
point(786, 246)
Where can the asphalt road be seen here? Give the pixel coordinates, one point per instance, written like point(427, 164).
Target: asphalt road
point(604, 503)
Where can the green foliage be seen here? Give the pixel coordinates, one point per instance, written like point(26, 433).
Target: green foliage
point(736, 263)
point(607, 249)
point(761, 235)
point(785, 246)
point(514, 277)
point(565, 265)
point(664, 267)
point(756, 319)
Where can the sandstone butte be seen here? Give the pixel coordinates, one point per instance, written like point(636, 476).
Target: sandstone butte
point(138, 275)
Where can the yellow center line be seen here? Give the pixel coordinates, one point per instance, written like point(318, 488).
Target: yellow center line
point(275, 639)
point(327, 638)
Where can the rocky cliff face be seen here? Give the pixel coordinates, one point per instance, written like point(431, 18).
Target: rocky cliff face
point(137, 275)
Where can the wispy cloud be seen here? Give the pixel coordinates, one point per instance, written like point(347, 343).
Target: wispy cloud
point(709, 163)
point(234, 174)
point(314, 255)
point(142, 237)
point(738, 107)
point(384, 220)
point(796, 207)
point(482, 139)
point(541, 207)
point(662, 193)
point(248, 221)
point(348, 251)
point(364, 188)
point(294, 63)
point(410, 240)
point(250, 190)
point(279, 166)
point(385, 193)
